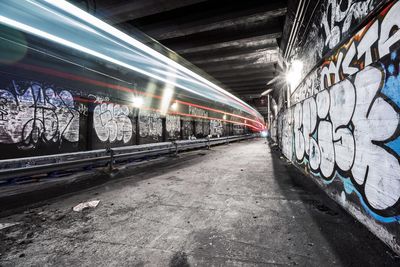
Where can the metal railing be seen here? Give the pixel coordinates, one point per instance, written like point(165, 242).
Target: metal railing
point(24, 167)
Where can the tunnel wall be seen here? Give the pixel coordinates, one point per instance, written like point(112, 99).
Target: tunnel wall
point(342, 128)
point(42, 117)
point(57, 100)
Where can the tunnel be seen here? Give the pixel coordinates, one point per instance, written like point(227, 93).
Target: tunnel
point(199, 133)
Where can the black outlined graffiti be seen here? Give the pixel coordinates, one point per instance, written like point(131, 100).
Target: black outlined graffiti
point(83, 109)
point(3, 109)
point(333, 20)
point(338, 17)
point(99, 99)
point(150, 124)
point(111, 123)
point(344, 129)
point(370, 44)
point(173, 125)
point(32, 112)
point(216, 128)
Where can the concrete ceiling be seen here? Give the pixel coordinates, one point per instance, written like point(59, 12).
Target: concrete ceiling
point(236, 42)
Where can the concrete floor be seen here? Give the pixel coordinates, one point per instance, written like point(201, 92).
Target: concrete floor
point(235, 205)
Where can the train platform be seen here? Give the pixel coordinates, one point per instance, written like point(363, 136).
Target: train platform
point(240, 204)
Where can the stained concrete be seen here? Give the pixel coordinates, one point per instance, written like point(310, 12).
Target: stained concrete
point(234, 205)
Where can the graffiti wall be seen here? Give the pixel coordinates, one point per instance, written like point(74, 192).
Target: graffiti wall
point(332, 21)
point(35, 115)
point(150, 127)
point(201, 126)
point(54, 99)
point(187, 128)
point(216, 128)
point(238, 129)
point(173, 127)
point(32, 112)
point(112, 123)
point(42, 118)
point(343, 128)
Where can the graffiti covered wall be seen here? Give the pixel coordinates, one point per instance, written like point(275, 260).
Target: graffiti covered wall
point(150, 126)
point(34, 114)
point(112, 124)
point(333, 21)
point(201, 126)
point(56, 100)
point(43, 118)
point(173, 126)
point(216, 128)
point(343, 128)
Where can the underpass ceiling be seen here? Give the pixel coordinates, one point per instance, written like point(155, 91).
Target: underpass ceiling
point(236, 42)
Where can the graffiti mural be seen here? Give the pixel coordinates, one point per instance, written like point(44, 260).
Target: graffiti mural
point(338, 17)
point(173, 126)
point(369, 45)
point(344, 122)
point(373, 42)
point(150, 124)
point(198, 111)
point(31, 112)
point(206, 127)
point(216, 128)
point(199, 127)
point(285, 134)
point(111, 123)
point(333, 21)
point(187, 128)
point(238, 129)
point(342, 129)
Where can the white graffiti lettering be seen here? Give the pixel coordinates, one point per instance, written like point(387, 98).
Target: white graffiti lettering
point(30, 113)
point(111, 123)
point(376, 41)
point(150, 124)
point(348, 137)
point(173, 125)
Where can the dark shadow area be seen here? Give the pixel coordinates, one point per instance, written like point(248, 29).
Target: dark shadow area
point(350, 241)
point(179, 259)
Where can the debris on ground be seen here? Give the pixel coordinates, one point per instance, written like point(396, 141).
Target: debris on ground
point(85, 205)
point(7, 224)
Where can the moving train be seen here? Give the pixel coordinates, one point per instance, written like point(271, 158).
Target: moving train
point(70, 82)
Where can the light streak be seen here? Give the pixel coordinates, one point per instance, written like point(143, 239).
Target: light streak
point(125, 89)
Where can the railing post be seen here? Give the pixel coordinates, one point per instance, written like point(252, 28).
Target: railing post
point(173, 141)
point(176, 147)
point(111, 163)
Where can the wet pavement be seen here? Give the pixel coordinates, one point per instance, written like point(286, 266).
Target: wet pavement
point(234, 205)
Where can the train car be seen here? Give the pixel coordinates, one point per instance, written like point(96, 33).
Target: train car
point(70, 82)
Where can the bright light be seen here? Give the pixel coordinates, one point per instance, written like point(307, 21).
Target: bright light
point(293, 76)
point(224, 117)
point(166, 99)
point(264, 134)
point(130, 40)
point(137, 101)
point(174, 106)
point(77, 29)
point(266, 92)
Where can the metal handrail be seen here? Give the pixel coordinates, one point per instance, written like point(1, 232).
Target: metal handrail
point(111, 155)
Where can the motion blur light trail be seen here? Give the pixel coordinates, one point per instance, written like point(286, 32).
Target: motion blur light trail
point(138, 102)
point(65, 24)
